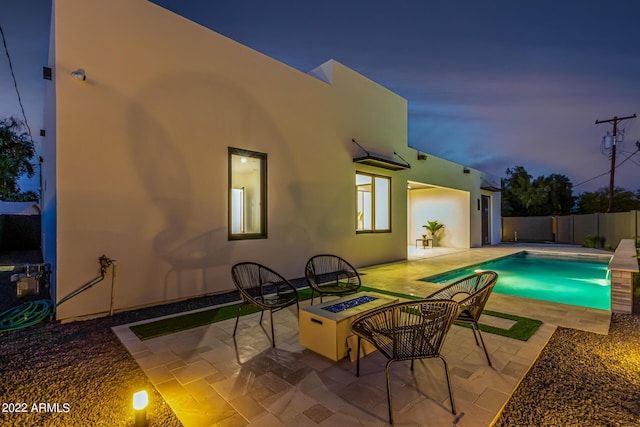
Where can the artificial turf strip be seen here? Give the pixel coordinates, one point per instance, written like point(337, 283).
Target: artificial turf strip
point(184, 322)
point(170, 325)
point(521, 330)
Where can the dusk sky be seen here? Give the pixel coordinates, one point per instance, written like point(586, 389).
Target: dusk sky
point(489, 85)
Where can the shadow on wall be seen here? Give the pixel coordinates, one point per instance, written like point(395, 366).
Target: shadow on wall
point(172, 147)
point(324, 219)
point(192, 261)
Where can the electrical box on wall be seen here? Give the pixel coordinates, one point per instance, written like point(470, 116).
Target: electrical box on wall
point(28, 285)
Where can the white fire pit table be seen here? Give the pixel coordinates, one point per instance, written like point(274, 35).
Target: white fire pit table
point(325, 328)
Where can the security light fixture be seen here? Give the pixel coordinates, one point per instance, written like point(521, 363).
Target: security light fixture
point(79, 74)
point(466, 170)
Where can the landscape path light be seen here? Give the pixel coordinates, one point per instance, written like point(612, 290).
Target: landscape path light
point(140, 402)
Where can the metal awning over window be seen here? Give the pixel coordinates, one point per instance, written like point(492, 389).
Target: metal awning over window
point(490, 186)
point(378, 160)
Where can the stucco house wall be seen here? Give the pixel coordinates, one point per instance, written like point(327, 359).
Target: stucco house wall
point(137, 157)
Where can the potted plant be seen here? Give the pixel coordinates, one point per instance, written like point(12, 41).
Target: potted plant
point(435, 229)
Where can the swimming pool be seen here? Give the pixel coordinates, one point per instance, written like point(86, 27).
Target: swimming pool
point(569, 279)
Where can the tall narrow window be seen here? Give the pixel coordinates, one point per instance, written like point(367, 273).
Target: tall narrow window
point(373, 203)
point(247, 194)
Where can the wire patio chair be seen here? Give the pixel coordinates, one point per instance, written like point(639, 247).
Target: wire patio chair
point(261, 287)
point(407, 331)
point(472, 293)
point(331, 275)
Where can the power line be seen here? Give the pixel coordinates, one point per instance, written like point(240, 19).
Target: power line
point(631, 160)
point(591, 179)
point(15, 84)
point(607, 172)
point(630, 156)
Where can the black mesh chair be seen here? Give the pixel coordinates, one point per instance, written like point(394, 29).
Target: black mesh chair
point(263, 288)
point(331, 275)
point(472, 293)
point(407, 331)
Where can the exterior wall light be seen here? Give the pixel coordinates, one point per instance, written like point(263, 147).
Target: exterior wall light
point(79, 74)
point(140, 402)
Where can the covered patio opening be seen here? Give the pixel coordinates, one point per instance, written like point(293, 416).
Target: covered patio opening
point(426, 202)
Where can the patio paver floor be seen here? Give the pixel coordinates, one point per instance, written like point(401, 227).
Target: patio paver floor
point(211, 379)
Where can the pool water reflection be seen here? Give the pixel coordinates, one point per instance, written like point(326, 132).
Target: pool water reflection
point(577, 280)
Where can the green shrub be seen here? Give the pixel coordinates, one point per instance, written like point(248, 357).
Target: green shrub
point(591, 241)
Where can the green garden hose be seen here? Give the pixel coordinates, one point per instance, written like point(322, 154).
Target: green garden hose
point(25, 315)
point(32, 312)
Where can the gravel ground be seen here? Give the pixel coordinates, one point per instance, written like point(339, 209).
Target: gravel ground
point(87, 377)
point(582, 379)
point(80, 368)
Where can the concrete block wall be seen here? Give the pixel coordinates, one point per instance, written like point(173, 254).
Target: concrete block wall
point(538, 228)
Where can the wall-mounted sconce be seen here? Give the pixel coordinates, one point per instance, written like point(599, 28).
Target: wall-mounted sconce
point(47, 73)
point(79, 74)
point(478, 204)
point(465, 170)
point(422, 156)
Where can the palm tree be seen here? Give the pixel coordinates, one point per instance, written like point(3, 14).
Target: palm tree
point(434, 227)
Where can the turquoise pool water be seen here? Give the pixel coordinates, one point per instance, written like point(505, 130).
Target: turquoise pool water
point(577, 280)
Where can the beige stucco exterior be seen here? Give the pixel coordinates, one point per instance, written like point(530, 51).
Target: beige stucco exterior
point(136, 158)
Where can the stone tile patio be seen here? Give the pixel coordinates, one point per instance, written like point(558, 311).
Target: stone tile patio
point(211, 379)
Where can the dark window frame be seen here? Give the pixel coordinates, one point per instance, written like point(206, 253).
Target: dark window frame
point(263, 194)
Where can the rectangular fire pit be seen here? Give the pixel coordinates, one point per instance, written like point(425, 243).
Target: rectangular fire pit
point(324, 328)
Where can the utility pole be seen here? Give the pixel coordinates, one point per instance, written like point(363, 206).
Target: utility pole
point(615, 121)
